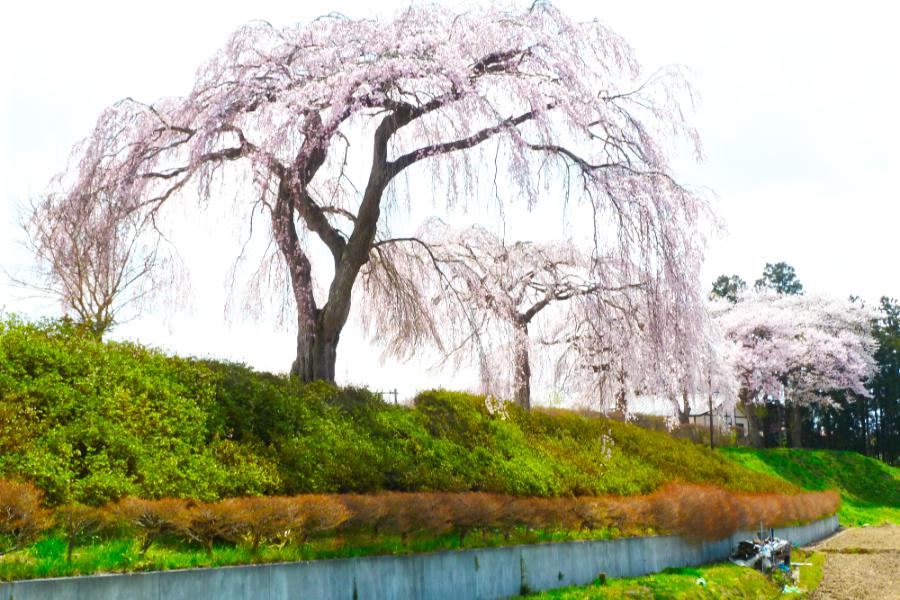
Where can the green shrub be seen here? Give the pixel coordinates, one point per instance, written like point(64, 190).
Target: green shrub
point(456, 416)
point(97, 421)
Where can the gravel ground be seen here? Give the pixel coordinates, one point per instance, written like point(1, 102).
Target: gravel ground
point(861, 563)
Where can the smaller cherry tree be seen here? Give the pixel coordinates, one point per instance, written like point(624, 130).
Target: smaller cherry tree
point(797, 349)
point(645, 342)
point(92, 256)
point(592, 326)
point(474, 296)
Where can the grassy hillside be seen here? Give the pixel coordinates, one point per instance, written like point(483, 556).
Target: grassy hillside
point(91, 422)
point(870, 489)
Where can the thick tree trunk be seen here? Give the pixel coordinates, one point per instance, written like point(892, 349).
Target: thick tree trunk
point(309, 364)
point(522, 369)
point(316, 355)
point(795, 412)
point(319, 329)
point(753, 430)
point(684, 415)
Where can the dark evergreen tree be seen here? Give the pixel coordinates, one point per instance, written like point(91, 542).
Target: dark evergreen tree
point(886, 383)
point(729, 288)
point(781, 278)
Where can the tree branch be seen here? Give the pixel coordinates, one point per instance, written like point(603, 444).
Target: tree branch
point(394, 167)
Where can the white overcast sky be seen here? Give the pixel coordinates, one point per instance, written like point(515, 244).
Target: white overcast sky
point(798, 114)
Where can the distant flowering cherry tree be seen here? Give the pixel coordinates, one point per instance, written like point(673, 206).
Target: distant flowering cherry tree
point(531, 97)
point(796, 349)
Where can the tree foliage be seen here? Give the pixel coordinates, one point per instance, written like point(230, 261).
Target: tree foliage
point(779, 277)
point(728, 288)
point(799, 347)
point(553, 102)
point(870, 425)
point(886, 382)
point(791, 352)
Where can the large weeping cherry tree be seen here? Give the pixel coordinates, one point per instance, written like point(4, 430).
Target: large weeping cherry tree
point(433, 95)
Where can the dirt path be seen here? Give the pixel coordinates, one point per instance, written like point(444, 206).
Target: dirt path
point(861, 563)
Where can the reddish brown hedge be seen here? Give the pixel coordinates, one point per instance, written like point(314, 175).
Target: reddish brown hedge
point(21, 516)
point(77, 520)
point(695, 511)
point(151, 518)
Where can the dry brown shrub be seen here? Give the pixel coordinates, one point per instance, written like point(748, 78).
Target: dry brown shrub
point(318, 513)
point(151, 517)
point(763, 510)
point(22, 517)
point(558, 514)
point(263, 519)
point(411, 513)
point(807, 507)
point(707, 512)
point(823, 504)
point(394, 513)
point(517, 512)
point(78, 520)
point(697, 511)
point(593, 513)
point(367, 512)
point(206, 523)
point(470, 511)
point(629, 514)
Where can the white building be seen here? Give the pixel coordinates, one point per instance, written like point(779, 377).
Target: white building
point(724, 418)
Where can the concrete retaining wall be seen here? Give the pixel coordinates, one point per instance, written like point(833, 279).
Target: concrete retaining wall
point(464, 575)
